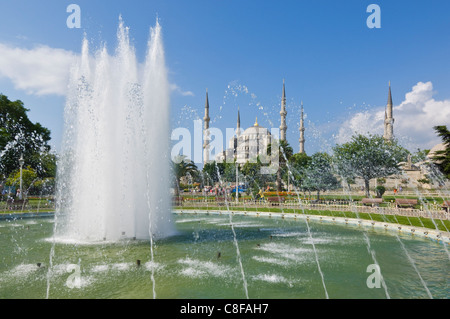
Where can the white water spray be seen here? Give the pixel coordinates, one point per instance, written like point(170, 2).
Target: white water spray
point(113, 175)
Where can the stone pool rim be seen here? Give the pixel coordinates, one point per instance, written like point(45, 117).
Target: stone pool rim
point(414, 231)
point(432, 234)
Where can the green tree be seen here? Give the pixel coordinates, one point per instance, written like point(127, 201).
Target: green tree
point(229, 172)
point(368, 157)
point(442, 158)
point(285, 152)
point(297, 165)
point(210, 170)
point(42, 186)
point(18, 135)
point(181, 166)
point(318, 174)
point(255, 179)
point(29, 177)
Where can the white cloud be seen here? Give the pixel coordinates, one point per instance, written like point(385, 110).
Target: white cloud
point(175, 88)
point(414, 118)
point(41, 70)
point(44, 70)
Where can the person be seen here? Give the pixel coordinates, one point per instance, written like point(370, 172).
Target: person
point(395, 191)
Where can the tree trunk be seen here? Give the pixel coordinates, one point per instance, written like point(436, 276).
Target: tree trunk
point(279, 179)
point(318, 195)
point(366, 185)
point(177, 188)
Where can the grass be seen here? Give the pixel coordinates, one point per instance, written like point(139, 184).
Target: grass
point(442, 225)
point(32, 207)
point(386, 198)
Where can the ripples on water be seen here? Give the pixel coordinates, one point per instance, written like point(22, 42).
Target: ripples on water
point(277, 257)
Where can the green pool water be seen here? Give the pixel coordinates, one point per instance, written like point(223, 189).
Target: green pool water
point(278, 259)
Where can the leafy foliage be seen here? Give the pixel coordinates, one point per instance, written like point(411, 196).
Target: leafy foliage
point(255, 179)
point(368, 157)
point(209, 172)
point(380, 190)
point(18, 135)
point(318, 175)
point(442, 158)
point(181, 166)
point(285, 152)
point(297, 165)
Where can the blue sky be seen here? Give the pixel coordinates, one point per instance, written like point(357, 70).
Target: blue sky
point(242, 50)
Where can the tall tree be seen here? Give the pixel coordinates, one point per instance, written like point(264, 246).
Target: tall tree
point(442, 157)
point(19, 136)
point(368, 157)
point(255, 179)
point(284, 154)
point(318, 174)
point(297, 164)
point(209, 172)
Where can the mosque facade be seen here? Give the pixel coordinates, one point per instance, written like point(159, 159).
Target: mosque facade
point(247, 144)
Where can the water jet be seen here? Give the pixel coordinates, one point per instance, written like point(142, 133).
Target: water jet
point(113, 175)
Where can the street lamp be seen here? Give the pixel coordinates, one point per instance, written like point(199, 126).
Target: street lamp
point(237, 184)
point(21, 162)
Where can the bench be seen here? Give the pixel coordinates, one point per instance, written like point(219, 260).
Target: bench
point(446, 205)
point(275, 200)
point(405, 202)
point(17, 204)
point(372, 201)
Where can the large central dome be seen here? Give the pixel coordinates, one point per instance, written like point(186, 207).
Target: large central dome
point(252, 142)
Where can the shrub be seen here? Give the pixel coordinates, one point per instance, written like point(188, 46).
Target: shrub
point(380, 191)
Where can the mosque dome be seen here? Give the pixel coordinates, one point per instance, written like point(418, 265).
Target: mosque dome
point(254, 130)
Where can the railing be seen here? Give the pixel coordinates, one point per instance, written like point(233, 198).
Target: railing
point(26, 206)
point(434, 211)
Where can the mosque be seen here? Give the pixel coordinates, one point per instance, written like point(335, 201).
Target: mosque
point(414, 175)
point(247, 144)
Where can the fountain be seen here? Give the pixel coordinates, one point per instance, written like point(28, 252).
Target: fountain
point(112, 201)
point(113, 177)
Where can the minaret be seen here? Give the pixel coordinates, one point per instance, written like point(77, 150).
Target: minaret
point(283, 126)
point(238, 125)
point(302, 133)
point(206, 131)
point(388, 118)
point(236, 137)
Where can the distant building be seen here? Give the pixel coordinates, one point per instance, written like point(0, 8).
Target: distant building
point(302, 133)
point(248, 144)
point(414, 175)
point(206, 137)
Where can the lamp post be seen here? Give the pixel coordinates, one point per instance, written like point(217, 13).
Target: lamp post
point(21, 162)
point(237, 184)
